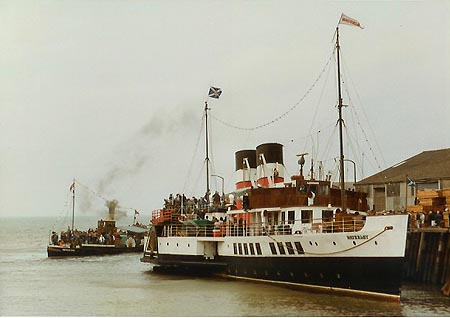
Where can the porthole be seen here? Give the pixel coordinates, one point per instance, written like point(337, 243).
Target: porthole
point(255, 272)
point(321, 275)
point(292, 274)
point(376, 243)
point(305, 274)
point(189, 245)
point(316, 244)
point(354, 243)
point(167, 243)
point(338, 276)
point(177, 244)
point(278, 274)
point(310, 243)
point(334, 243)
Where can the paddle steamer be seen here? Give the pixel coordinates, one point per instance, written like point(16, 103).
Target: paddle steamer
point(301, 232)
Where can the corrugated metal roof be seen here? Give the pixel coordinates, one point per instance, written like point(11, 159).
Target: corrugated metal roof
point(428, 165)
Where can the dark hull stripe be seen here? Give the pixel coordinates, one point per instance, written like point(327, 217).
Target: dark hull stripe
point(359, 275)
point(89, 251)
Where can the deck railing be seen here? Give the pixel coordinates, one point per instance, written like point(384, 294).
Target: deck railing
point(264, 229)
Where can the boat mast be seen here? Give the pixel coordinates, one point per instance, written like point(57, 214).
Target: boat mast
point(207, 152)
point(340, 121)
point(73, 204)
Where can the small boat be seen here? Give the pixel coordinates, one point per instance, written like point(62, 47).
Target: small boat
point(300, 232)
point(105, 239)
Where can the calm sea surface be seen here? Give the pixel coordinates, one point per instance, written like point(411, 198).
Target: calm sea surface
point(120, 285)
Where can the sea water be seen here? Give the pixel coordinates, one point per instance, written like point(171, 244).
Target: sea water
point(31, 284)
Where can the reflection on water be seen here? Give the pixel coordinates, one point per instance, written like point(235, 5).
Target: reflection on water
point(120, 285)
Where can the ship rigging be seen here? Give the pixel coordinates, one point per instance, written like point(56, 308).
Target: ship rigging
point(299, 232)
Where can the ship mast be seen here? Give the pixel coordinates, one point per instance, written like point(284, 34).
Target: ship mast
point(207, 152)
point(214, 92)
point(73, 204)
point(340, 121)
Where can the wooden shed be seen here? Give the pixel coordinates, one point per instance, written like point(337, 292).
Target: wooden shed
point(397, 187)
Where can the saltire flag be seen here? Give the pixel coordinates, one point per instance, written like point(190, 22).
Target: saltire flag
point(349, 21)
point(214, 92)
point(136, 212)
point(411, 183)
point(72, 187)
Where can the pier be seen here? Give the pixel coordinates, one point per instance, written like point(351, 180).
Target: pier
point(427, 257)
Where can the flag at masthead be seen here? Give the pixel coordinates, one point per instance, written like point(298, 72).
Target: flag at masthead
point(214, 92)
point(349, 21)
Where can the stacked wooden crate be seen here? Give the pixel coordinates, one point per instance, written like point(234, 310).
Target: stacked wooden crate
point(446, 215)
point(433, 200)
point(415, 208)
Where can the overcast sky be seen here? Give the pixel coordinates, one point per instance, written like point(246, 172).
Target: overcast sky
point(112, 93)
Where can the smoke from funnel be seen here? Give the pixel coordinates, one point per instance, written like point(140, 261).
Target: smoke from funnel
point(136, 151)
point(111, 209)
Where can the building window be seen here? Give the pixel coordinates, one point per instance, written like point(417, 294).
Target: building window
point(393, 190)
point(429, 185)
point(413, 191)
point(365, 189)
point(272, 248)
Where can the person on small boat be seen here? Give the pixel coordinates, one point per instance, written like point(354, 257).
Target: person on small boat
point(54, 238)
point(131, 242)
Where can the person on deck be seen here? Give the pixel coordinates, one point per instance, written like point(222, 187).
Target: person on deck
point(439, 218)
point(54, 238)
point(216, 199)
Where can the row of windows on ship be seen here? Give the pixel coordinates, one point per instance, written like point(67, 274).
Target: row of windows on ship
point(278, 248)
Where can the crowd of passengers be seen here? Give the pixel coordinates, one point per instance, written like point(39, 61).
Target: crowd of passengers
point(75, 237)
point(196, 208)
point(196, 205)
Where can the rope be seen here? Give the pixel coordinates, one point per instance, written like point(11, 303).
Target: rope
point(102, 197)
point(317, 109)
point(386, 228)
point(194, 154)
point(63, 216)
point(285, 113)
point(357, 117)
